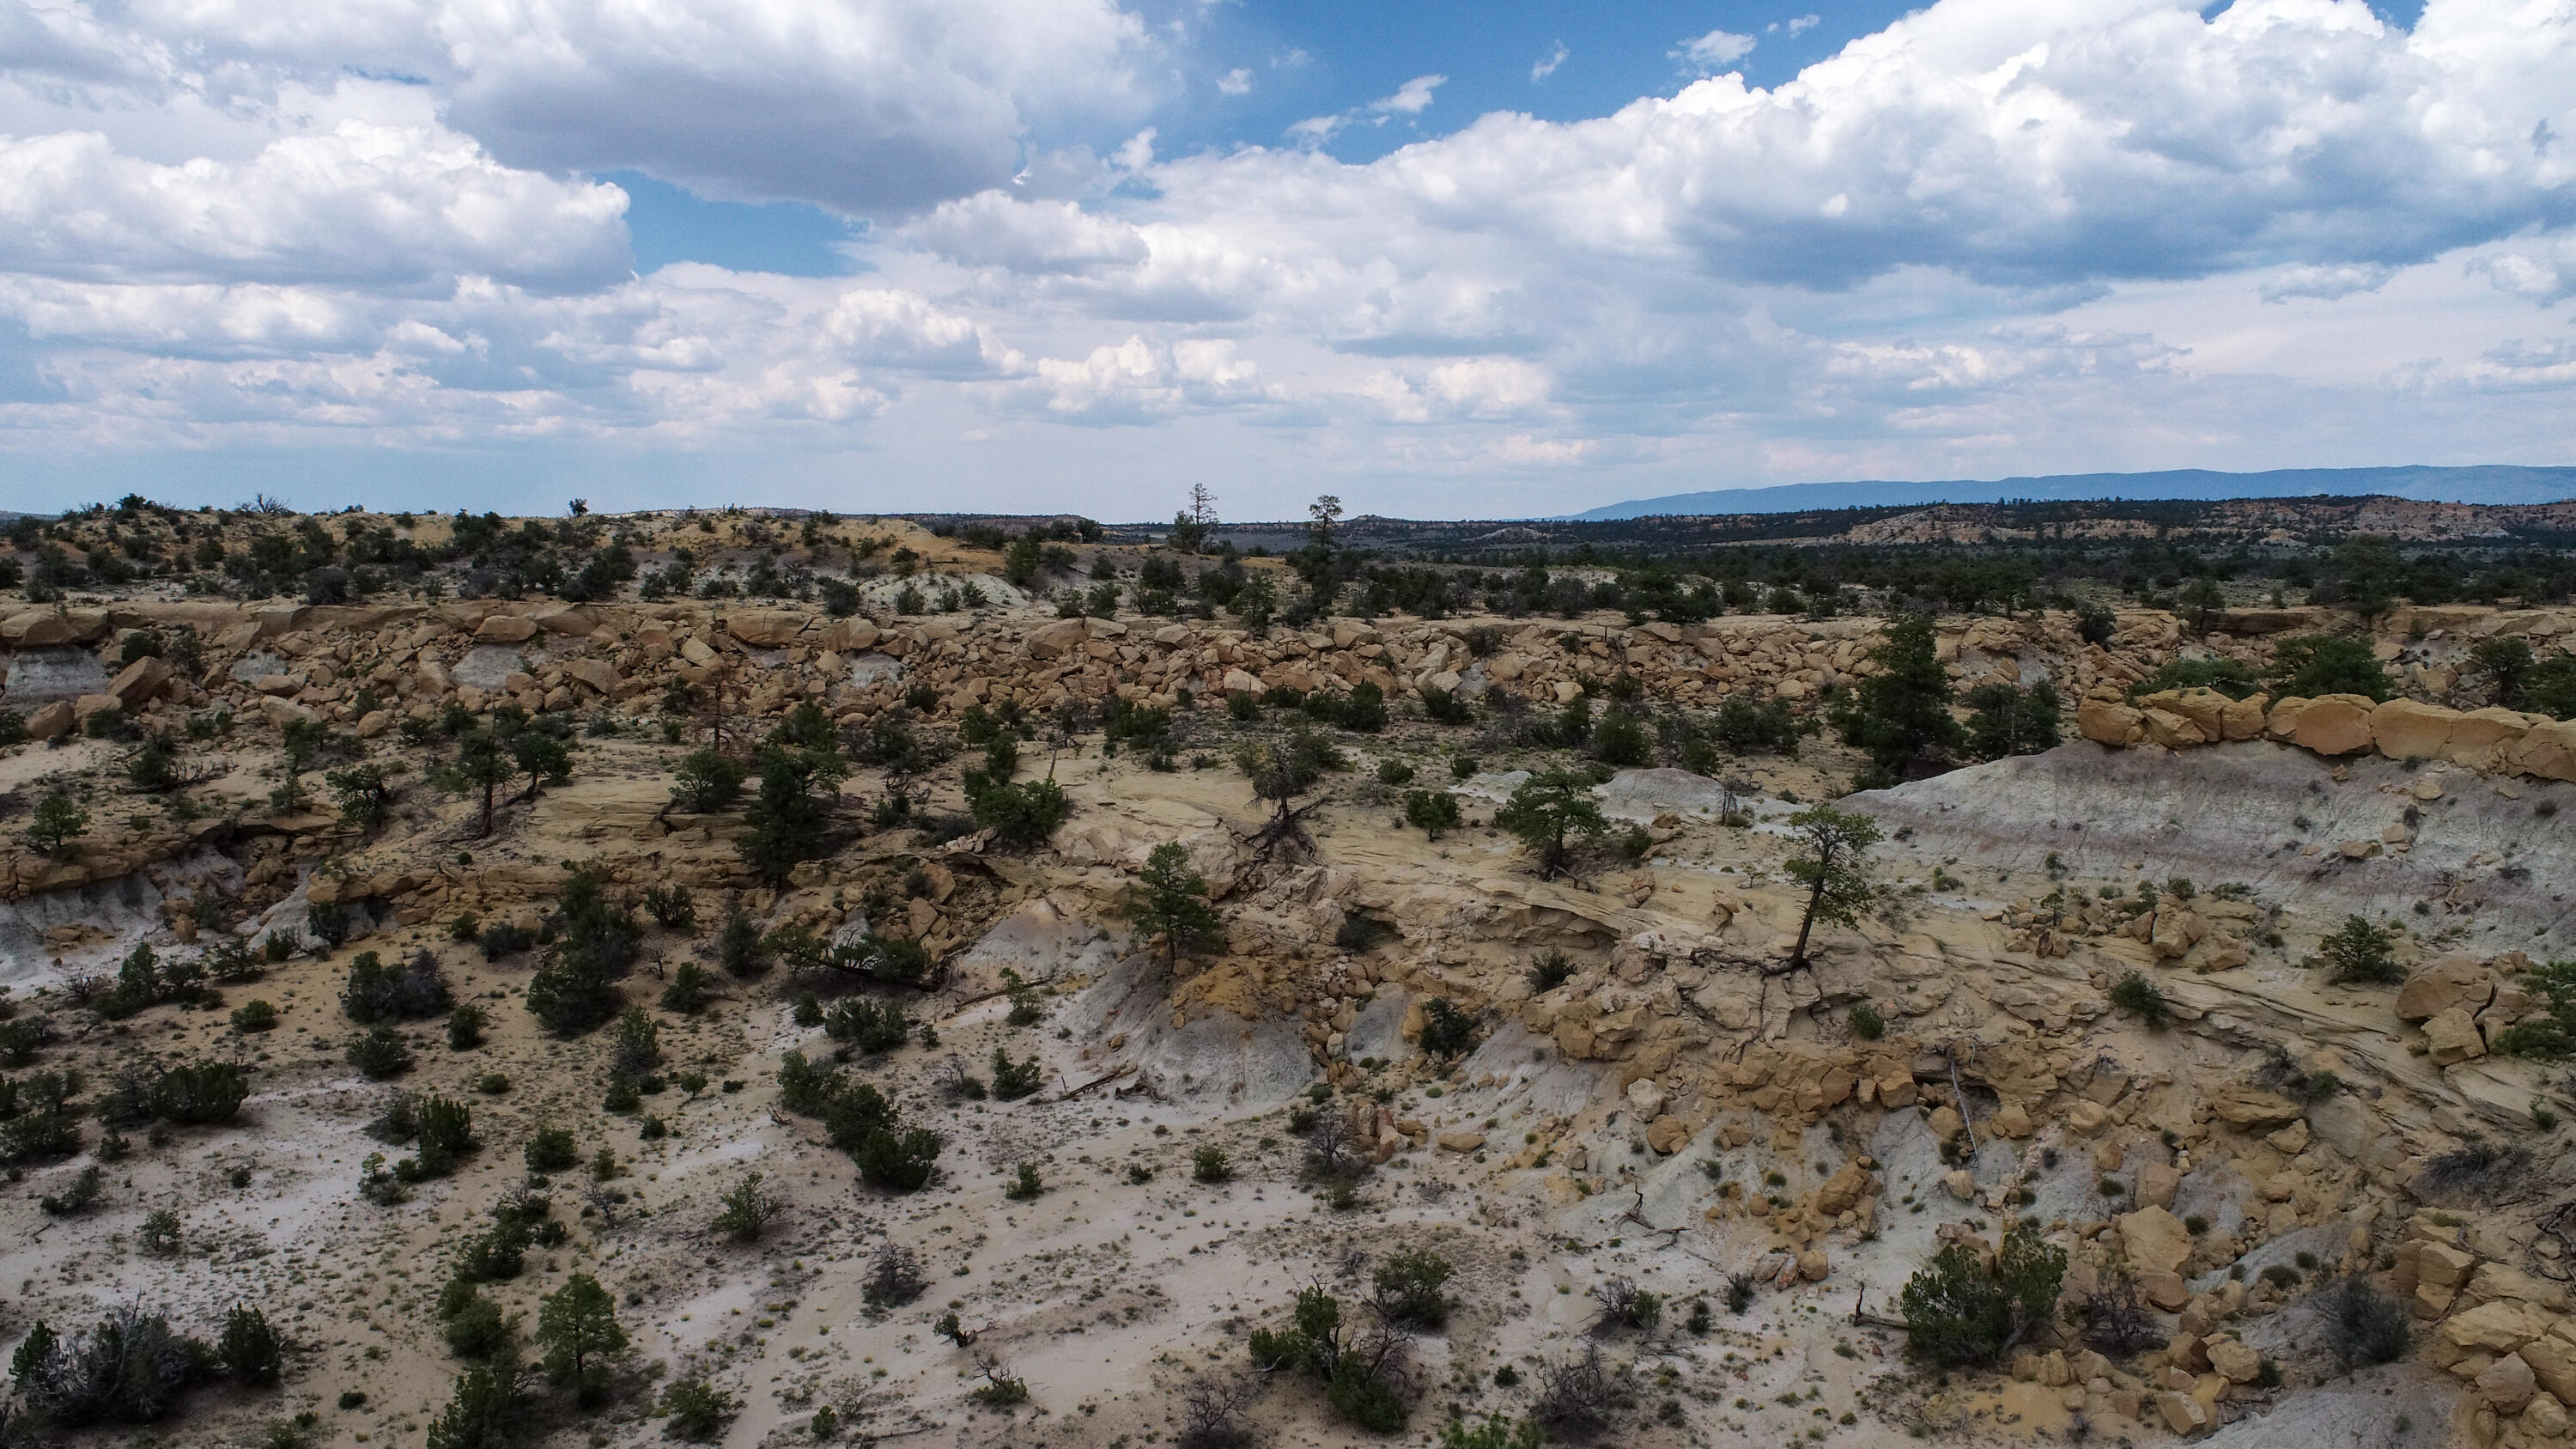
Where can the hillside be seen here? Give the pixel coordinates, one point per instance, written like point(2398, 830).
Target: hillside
point(2485, 484)
point(928, 996)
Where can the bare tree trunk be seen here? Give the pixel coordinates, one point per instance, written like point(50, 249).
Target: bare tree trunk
point(1798, 954)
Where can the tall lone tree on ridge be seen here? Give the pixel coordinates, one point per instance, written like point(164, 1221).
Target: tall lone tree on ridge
point(1837, 846)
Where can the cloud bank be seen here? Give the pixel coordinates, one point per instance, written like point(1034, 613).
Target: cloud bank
point(1995, 236)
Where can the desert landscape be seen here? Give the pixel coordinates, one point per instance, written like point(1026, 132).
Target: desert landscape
point(758, 977)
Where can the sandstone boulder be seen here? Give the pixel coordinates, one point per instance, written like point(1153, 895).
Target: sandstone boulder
point(505, 629)
point(2452, 1037)
point(2445, 983)
point(2243, 719)
point(765, 628)
point(2335, 724)
point(140, 682)
point(2157, 1184)
point(2499, 1327)
point(52, 720)
point(2154, 1239)
point(2110, 722)
point(597, 674)
point(2481, 738)
point(2507, 1384)
point(2167, 1291)
point(45, 628)
point(2182, 1413)
point(2547, 750)
point(2553, 1363)
point(2242, 1106)
point(2405, 730)
point(1646, 1098)
point(2232, 1359)
point(2173, 731)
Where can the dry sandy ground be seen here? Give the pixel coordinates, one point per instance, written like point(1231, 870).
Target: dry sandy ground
point(1106, 1294)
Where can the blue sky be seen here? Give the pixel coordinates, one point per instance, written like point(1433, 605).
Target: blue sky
point(1439, 258)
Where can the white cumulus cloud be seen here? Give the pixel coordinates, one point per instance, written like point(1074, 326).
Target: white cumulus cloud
point(381, 205)
point(1714, 50)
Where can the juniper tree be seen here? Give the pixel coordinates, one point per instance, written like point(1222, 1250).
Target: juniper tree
point(1169, 901)
point(1836, 846)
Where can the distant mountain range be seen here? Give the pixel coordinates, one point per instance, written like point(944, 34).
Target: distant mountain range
point(2485, 483)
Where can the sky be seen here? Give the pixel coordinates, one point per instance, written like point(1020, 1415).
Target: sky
point(1440, 259)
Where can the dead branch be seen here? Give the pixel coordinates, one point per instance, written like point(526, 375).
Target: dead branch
point(1123, 1069)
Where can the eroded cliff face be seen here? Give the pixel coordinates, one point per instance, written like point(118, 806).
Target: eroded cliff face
point(1646, 1093)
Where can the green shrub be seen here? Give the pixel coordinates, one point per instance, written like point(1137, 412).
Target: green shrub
point(740, 947)
point(898, 1160)
point(2362, 953)
point(1014, 1080)
point(2552, 1036)
point(1364, 709)
point(250, 1350)
point(1866, 1023)
point(199, 1093)
point(163, 1235)
point(575, 990)
point(255, 1015)
point(380, 1053)
point(1755, 727)
point(671, 907)
point(2227, 676)
point(1410, 1287)
point(446, 1134)
point(1209, 1164)
point(748, 1210)
point(1021, 816)
point(2143, 999)
point(465, 1026)
point(551, 1150)
point(488, 1410)
point(1447, 1032)
point(1441, 706)
point(1962, 1311)
point(707, 781)
point(2309, 665)
point(697, 1410)
point(379, 993)
point(1364, 1396)
point(1431, 811)
point(1619, 740)
point(2363, 1326)
point(133, 1368)
point(476, 1327)
point(86, 1189)
point(687, 993)
point(870, 1025)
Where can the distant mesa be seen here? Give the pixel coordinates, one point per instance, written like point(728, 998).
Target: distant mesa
point(2484, 483)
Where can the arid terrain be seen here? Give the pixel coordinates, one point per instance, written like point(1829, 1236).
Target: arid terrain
point(938, 1002)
